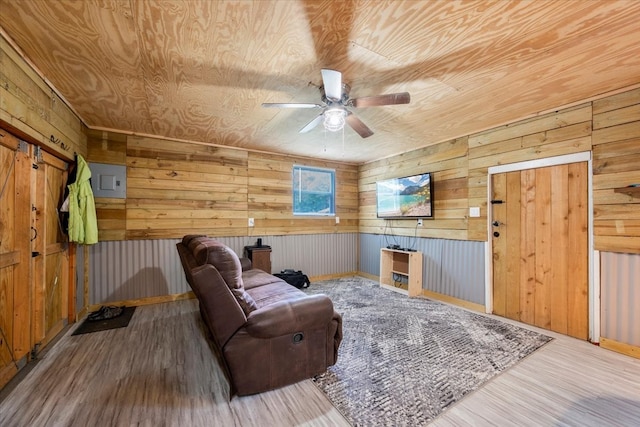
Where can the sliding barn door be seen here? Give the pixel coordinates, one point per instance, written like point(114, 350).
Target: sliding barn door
point(34, 255)
point(49, 249)
point(540, 247)
point(15, 256)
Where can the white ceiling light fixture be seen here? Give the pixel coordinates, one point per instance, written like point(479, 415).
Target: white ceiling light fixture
point(334, 119)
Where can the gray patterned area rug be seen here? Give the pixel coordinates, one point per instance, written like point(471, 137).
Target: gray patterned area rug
point(403, 361)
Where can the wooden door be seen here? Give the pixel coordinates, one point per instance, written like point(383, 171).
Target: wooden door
point(34, 258)
point(49, 248)
point(540, 247)
point(15, 256)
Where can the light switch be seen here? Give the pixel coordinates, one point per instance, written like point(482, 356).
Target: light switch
point(474, 212)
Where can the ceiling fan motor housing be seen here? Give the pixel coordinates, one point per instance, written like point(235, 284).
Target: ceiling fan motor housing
point(334, 113)
point(342, 101)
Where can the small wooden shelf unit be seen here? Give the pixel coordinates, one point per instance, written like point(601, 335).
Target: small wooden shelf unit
point(260, 257)
point(396, 263)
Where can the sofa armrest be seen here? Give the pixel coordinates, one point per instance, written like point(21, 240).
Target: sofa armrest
point(246, 264)
point(290, 316)
point(224, 314)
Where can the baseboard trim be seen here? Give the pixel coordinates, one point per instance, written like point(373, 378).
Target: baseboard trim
point(620, 347)
point(435, 296)
point(146, 301)
point(332, 276)
point(454, 301)
point(187, 295)
point(368, 276)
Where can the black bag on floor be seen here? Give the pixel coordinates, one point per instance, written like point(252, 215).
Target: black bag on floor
point(294, 278)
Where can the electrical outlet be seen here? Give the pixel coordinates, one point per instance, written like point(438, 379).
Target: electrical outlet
point(251, 222)
point(419, 222)
point(337, 220)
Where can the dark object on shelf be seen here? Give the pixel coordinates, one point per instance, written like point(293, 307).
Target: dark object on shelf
point(294, 278)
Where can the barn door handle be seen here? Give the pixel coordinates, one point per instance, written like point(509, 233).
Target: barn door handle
point(496, 202)
point(35, 234)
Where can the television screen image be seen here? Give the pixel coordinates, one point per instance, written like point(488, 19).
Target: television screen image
point(407, 197)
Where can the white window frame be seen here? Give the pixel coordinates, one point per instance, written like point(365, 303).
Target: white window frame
point(298, 192)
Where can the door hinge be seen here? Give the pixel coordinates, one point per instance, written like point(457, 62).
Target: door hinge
point(23, 146)
point(37, 153)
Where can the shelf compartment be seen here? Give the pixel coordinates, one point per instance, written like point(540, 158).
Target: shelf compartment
point(395, 264)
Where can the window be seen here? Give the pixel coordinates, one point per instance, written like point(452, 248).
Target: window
point(314, 191)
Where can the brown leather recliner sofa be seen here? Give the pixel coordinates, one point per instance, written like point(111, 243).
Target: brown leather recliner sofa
point(267, 333)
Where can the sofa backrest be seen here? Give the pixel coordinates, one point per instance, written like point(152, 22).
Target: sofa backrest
point(223, 258)
point(208, 251)
point(219, 307)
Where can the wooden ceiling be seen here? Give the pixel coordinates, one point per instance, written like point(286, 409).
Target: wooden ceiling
point(198, 70)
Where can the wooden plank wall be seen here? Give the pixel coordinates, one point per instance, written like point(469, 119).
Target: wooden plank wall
point(609, 127)
point(448, 162)
point(33, 111)
point(558, 133)
point(177, 188)
point(271, 199)
point(616, 164)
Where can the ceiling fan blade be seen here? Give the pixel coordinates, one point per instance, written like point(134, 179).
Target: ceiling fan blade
point(357, 125)
point(330, 26)
point(332, 81)
point(313, 123)
point(379, 100)
point(289, 105)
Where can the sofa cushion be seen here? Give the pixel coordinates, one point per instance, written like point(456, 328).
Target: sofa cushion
point(245, 300)
point(254, 278)
point(209, 251)
point(272, 293)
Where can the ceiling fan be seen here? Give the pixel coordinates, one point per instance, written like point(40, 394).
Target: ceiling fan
point(335, 100)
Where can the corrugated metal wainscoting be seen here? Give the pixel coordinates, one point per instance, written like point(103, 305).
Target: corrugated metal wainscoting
point(135, 269)
point(620, 297)
point(450, 267)
point(79, 302)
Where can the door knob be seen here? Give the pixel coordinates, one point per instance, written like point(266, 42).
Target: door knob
point(496, 234)
point(496, 223)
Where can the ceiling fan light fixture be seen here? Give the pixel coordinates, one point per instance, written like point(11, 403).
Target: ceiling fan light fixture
point(334, 119)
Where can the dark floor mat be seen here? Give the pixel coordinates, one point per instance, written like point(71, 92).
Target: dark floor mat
point(102, 325)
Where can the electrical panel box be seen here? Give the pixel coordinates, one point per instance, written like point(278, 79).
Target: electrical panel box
point(108, 180)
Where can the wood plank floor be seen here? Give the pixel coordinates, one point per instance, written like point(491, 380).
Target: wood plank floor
point(160, 371)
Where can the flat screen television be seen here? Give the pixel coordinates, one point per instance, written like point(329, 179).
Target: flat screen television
point(406, 197)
